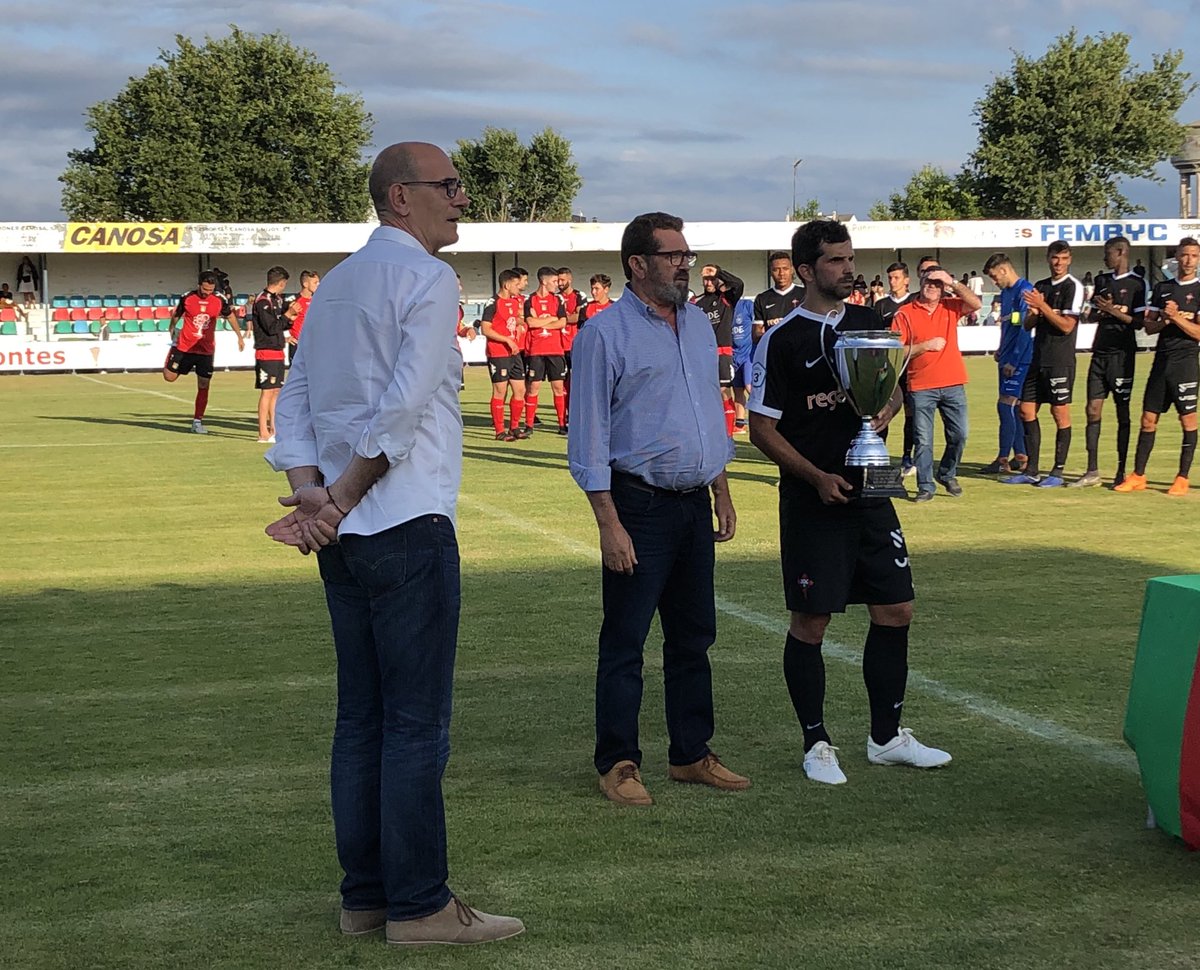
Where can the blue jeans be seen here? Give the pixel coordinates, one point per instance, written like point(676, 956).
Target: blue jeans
point(394, 602)
point(672, 538)
point(952, 403)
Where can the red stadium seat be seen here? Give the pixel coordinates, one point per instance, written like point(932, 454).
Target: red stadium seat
point(8, 315)
point(112, 313)
point(95, 313)
point(128, 313)
point(60, 314)
point(163, 312)
point(78, 313)
point(145, 313)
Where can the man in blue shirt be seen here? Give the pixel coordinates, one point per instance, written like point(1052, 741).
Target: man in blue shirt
point(1012, 359)
point(647, 443)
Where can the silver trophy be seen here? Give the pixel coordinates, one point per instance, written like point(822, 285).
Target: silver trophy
point(867, 365)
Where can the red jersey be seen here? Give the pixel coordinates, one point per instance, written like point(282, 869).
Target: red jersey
point(303, 302)
point(591, 309)
point(505, 316)
point(572, 301)
point(543, 342)
point(199, 315)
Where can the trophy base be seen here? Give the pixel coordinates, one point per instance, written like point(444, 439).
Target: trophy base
point(877, 481)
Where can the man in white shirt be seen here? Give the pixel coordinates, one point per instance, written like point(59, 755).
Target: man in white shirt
point(370, 436)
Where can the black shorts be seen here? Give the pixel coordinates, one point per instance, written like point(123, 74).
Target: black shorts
point(1048, 385)
point(505, 369)
point(1172, 382)
point(835, 556)
point(1111, 374)
point(182, 362)
point(725, 370)
point(268, 375)
point(547, 367)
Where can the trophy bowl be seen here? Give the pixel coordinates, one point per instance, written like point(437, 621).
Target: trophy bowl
point(867, 365)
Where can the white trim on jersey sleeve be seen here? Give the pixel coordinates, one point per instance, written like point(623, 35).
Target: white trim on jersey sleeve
point(758, 376)
point(1076, 300)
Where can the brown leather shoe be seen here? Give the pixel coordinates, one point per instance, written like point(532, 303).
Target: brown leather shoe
point(455, 925)
point(360, 922)
point(623, 785)
point(709, 771)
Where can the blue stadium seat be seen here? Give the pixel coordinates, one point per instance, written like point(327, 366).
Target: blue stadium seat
point(59, 303)
point(93, 301)
point(76, 302)
point(163, 299)
point(241, 299)
point(145, 299)
point(111, 300)
point(80, 326)
point(128, 299)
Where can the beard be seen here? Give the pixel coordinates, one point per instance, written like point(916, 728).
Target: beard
point(667, 290)
point(835, 290)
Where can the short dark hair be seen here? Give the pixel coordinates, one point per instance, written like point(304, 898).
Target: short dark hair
point(520, 270)
point(996, 260)
point(545, 271)
point(925, 259)
point(778, 255)
point(898, 267)
point(507, 276)
point(1186, 241)
point(638, 237)
point(602, 278)
point(1115, 242)
point(808, 239)
point(308, 274)
point(1058, 246)
point(564, 269)
point(277, 274)
point(208, 276)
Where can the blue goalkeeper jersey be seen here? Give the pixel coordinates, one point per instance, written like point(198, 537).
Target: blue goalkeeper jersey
point(743, 332)
point(1016, 343)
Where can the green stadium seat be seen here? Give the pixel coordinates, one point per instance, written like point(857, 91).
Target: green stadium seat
point(93, 300)
point(8, 329)
point(223, 324)
point(63, 326)
point(59, 303)
point(112, 300)
point(94, 327)
point(164, 326)
point(145, 299)
point(163, 299)
point(77, 302)
point(149, 326)
point(80, 326)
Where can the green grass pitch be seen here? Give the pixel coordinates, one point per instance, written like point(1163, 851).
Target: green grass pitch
point(166, 699)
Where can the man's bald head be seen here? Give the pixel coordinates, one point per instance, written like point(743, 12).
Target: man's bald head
point(402, 162)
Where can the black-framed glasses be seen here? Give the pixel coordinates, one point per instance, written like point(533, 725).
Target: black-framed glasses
point(450, 186)
point(678, 257)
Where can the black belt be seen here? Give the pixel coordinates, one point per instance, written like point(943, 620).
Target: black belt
point(642, 485)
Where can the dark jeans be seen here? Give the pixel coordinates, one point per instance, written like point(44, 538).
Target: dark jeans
point(952, 403)
point(672, 538)
point(394, 601)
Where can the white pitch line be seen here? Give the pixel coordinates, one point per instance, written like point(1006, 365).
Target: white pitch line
point(1035, 727)
point(146, 390)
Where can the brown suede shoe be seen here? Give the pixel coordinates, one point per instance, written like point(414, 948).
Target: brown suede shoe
point(623, 785)
point(455, 925)
point(360, 922)
point(709, 771)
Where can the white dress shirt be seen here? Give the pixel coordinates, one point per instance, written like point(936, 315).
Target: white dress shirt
point(377, 372)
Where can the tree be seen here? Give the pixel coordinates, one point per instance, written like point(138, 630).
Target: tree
point(511, 182)
point(810, 210)
point(1058, 133)
point(930, 194)
point(242, 129)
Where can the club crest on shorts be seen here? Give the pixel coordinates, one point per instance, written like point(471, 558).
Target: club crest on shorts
point(805, 584)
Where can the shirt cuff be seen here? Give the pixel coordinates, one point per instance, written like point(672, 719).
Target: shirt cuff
point(371, 445)
point(292, 454)
point(592, 478)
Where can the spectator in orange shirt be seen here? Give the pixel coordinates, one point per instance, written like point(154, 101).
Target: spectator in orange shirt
point(937, 376)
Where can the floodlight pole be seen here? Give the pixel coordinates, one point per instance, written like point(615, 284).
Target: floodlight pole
point(795, 165)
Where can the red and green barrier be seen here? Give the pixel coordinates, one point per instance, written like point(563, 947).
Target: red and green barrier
point(1162, 721)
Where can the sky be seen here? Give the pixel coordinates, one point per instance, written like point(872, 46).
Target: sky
point(698, 108)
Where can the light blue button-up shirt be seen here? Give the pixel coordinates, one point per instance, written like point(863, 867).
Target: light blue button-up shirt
point(646, 400)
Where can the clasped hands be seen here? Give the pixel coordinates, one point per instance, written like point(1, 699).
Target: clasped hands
point(312, 523)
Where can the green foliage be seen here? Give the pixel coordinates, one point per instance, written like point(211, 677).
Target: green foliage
point(930, 194)
point(511, 182)
point(1058, 133)
point(242, 129)
point(810, 210)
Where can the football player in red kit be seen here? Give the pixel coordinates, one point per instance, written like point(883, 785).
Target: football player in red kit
point(193, 346)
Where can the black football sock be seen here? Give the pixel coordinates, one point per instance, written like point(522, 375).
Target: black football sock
point(1062, 445)
point(909, 433)
point(1033, 445)
point(1122, 434)
point(804, 671)
point(1186, 453)
point(1091, 434)
point(885, 672)
point(1145, 445)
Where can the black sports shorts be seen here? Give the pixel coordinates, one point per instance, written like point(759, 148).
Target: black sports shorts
point(268, 375)
point(505, 369)
point(181, 362)
point(1172, 381)
point(547, 367)
point(1049, 385)
point(1111, 374)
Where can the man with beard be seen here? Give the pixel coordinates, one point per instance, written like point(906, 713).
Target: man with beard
point(835, 549)
point(646, 445)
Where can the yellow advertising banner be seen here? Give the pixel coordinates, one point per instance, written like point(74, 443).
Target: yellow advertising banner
point(123, 237)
